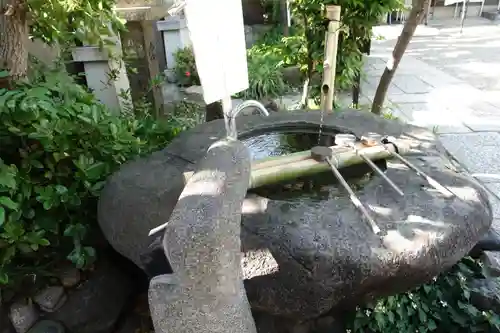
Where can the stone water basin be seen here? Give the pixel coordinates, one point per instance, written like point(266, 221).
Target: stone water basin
point(306, 249)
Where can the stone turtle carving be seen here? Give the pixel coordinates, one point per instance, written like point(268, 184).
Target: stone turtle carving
point(301, 259)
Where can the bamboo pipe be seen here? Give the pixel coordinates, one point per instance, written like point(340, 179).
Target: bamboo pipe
point(329, 65)
point(344, 158)
point(282, 168)
point(290, 158)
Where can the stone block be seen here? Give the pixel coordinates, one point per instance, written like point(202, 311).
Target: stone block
point(411, 84)
point(491, 261)
point(50, 299)
point(23, 315)
point(95, 305)
point(69, 276)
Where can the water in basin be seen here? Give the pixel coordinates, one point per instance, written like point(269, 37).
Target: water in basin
point(323, 186)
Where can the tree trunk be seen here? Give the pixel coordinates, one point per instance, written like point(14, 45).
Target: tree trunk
point(416, 15)
point(310, 63)
point(13, 39)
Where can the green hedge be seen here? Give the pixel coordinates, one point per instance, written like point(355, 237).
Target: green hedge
point(58, 145)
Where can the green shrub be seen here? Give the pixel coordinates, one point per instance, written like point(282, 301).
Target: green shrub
point(306, 44)
point(442, 305)
point(284, 51)
point(357, 19)
point(265, 77)
point(185, 67)
point(57, 147)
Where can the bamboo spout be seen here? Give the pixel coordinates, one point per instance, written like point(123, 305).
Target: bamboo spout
point(278, 169)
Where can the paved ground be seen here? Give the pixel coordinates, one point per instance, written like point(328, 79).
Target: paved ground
point(450, 82)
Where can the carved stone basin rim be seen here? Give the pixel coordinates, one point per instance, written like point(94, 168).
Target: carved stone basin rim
point(326, 256)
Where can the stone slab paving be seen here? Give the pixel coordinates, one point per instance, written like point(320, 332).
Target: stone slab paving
point(448, 82)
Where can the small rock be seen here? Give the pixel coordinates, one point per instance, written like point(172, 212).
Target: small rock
point(69, 276)
point(492, 263)
point(490, 241)
point(47, 326)
point(485, 294)
point(170, 76)
point(5, 325)
point(23, 315)
point(95, 305)
point(194, 94)
point(50, 299)
point(171, 92)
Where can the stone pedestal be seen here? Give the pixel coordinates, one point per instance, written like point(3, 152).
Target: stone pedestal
point(106, 76)
point(175, 37)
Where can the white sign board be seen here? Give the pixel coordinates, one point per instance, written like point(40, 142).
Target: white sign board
point(218, 39)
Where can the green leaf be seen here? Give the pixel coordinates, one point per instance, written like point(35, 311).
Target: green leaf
point(7, 202)
point(4, 74)
point(8, 254)
point(36, 164)
point(113, 129)
point(431, 325)
point(4, 278)
point(427, 288)
point(96, 171)
point(43, 242)
point(2, 216)
point(7, 178)
point(61, 189)
point(390, 316)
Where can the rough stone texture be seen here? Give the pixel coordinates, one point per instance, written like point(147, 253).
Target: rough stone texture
point(23, 315)
point(491, 240)
point(485, 294)
point(94, 306)
point(302, 259)
point(47, 326)
point(205, 293)
point(51, 298)
point(492, 262)
point(69, 276)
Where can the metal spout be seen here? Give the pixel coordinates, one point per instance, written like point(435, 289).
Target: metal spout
point(231, 121)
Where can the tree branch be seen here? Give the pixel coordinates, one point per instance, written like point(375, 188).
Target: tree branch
point(414, 19)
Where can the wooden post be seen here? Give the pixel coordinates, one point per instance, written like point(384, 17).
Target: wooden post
point(329, 66)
